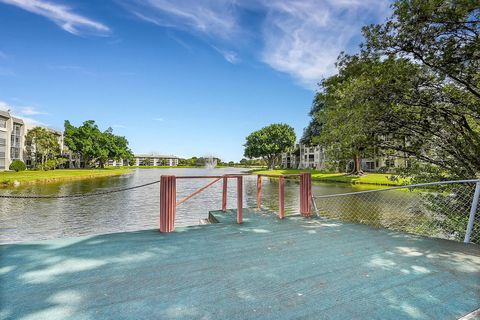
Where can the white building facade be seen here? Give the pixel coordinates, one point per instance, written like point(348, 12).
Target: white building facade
point(314, 157)
point(12, 139)
point(155, 160)
point(304, 157)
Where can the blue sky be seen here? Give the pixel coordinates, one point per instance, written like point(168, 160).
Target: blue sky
point(189, 77)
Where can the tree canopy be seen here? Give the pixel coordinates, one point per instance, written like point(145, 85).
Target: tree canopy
point(42, 145)
point(270, 142)
point(412, 89)
point(96, 146)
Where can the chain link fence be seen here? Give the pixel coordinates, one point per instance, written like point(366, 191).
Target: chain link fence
point(447, 210)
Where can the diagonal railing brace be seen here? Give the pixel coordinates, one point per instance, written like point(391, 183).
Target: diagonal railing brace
point(198, 191)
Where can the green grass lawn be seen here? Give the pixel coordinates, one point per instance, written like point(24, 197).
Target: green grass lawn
point(28, 176)
point(368, 178)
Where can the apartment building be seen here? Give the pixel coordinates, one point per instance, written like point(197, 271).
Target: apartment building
point(155, 160)
point(304, 157)
point(12, 139)
point(314, 157)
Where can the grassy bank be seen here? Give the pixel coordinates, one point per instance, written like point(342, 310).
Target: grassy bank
point(31, 177)
point(368, 178)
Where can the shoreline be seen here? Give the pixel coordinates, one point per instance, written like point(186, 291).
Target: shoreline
point(374, 179)
point(10, 179)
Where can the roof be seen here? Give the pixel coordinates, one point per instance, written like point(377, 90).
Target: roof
point(4, 114)
point(17, 120)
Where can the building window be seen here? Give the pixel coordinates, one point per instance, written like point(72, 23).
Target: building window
point(369, 165)
point(3, 122)
point(3, 149)
point(389, 163)
point(15, 142)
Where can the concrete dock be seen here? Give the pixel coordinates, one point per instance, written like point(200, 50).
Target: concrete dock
point(266, 268)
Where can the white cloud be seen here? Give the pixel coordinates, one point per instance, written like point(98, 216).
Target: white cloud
point(228, 55)
point(157, 119)
point(302, 38)
point(30, 111)
point(23, 113)
point(62, 15)
point(72, 68)
point(4, 106)
point(212, 17)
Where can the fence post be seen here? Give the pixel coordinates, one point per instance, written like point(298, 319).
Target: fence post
point(259, 191)
point(281, 197)
point(305, 194)
point(239, 199)
point(224, 194)
point(168, 195)
point(473, 210)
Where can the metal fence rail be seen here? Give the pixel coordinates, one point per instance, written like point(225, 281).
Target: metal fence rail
point(447, 209)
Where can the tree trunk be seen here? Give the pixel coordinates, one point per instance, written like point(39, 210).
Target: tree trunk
point(357, 166)
point(269, 161)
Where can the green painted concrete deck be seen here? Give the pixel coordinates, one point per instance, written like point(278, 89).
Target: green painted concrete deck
point(266, 268)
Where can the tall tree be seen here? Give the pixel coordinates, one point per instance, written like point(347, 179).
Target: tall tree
point(415, 83)
point(94, 146)
point(443, 35)
point(41, 145)
point(438, 104)
point(315, 125)
point(347, 130)
point(269, 143)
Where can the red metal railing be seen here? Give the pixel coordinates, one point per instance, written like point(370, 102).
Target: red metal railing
point(168, 191)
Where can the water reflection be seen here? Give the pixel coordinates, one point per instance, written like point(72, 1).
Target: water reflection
point(34, 219)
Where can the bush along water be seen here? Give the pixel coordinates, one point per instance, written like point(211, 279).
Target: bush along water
point(17, 165)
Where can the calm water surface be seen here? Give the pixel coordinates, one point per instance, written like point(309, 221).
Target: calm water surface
point(35, 219)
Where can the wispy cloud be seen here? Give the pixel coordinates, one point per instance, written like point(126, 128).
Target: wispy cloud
point(30, 111)
point(7, 72)
point(158, 119)
point(72, 68)
point(180, 42)
point(23, 113)
point(302, 38)
point(211, 17)
point(228, 55)
point(62, 15)
point(4, 106)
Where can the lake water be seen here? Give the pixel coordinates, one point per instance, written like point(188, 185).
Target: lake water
point(35, 219)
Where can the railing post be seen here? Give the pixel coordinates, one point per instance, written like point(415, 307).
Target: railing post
point(168, 195)
point(305, 194)
point(224, 194)
point(473, 210)
point(281, 197)
point(239, 199)
point(259, 192)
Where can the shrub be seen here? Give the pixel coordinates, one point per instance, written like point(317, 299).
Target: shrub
point(17, 165)
point(52, 164)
